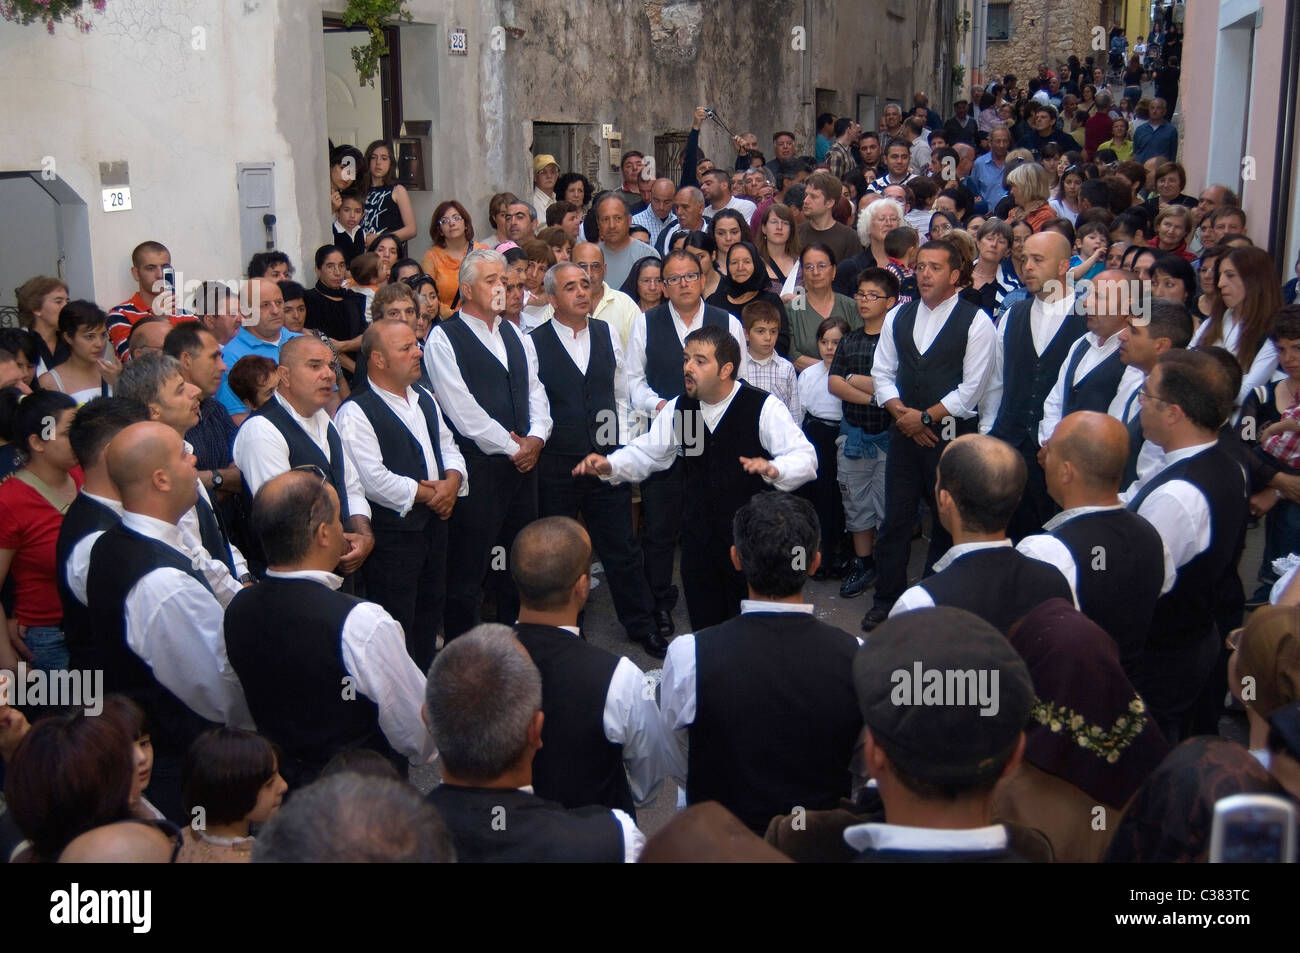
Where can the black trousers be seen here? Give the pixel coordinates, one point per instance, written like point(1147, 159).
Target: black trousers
point(661, 523)
point(607, 511)
point(909, 481)
point(406, 573)
point(712, 586)
point(1035, 507)
point(824, 492)
point(501, 502)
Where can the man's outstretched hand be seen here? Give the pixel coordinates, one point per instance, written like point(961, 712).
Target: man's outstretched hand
point(593, 465)
point(764, 468)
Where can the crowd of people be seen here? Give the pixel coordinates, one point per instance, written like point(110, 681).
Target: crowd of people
point(312, 536)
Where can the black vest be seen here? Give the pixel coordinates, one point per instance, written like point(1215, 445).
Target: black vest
point(284, 638)
point(303, 450)
point(212, 534)
point(119, 560)
point(512, 826)
point(84, 516)
point(663, 349)
point(1097, 388)
point(1027, 378)
point(1119, 563)
point(1135, 440)
point(716, 486)
point(1181, 646)
point(999, 585)
point(502, 392)
point(583, 410)
point(577, 765)
point(923, 379)
point(776, 716)
point(401, 454)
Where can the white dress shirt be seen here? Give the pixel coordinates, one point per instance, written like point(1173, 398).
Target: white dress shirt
point(458, 404)
point(981, 341)
point(1179, 511)
point(77, 568)
point(653, 451)
point(631, 719)
point(644, 399)
point(261, 453)
point(374, 654)
point(578, 346)
point(382, 485)
point(1262, 368)
point(175, 626)
point(1124, 408)
point(744, 206)
point(1049, 549)
point(1097, 351)
point(614, 308)
point(815, 395)
point(1045, 320)
point(879, 836)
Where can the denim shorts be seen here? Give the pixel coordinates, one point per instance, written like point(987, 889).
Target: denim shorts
point(48, 646)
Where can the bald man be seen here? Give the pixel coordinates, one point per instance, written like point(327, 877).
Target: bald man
point(977, 487)
point(262, 332)
point(413, 473)
point(155, 621)
point(126, 842)
point(1034, 338)
point(658, 215)
point(293, 429)
point(1110, 556)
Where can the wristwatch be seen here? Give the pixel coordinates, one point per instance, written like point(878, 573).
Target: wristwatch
point(926, 419)
point(849, 377)
point(217, 479)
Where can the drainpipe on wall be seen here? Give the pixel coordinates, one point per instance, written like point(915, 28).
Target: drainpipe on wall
point(806, 106)
point(1286, 134)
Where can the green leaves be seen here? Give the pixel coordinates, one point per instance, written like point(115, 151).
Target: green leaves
point(374, 15)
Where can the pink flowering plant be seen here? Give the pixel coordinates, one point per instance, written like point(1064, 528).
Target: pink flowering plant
point(49, 12)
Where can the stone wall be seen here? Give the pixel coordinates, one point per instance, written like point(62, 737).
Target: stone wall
point(1044, 31)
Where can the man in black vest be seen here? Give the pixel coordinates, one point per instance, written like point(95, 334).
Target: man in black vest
point(1109, 555)
point(1197, 503)
point(654, 377)
point(1033, 340)
point(730, 441)
point(293, 429)
point(930, 369)
point(98, 507)
point(324, 672)
point(937, 760)
point(483, 707)
point(580, 363)
point(602, 742)
point(762, 706)
point(413, 473)
point(979, 483)
point(484, 372)
point(1166, 326)
point(156, 380)
point(155, 619)
point(1090, 375)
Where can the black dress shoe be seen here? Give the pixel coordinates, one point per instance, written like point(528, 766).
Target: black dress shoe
point(654, 644)
point(664, 624)
point(875, 615)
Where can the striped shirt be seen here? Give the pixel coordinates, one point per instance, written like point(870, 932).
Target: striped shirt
point(125, 317)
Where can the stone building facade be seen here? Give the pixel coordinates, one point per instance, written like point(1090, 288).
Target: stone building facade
point(1044, 31)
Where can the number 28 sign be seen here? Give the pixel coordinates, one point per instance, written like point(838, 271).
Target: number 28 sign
point(117, 199)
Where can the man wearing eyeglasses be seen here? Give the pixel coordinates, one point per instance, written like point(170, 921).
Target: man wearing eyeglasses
point(654, 375)
point(1197, 503)
point(608, 304)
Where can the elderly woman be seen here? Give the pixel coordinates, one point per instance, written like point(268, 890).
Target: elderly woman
point(1173, 226)
point(1030, 186)
point(1120, 142)
point(40, 300)
point(991, 279)
point(875, 222)
point(1171, 179)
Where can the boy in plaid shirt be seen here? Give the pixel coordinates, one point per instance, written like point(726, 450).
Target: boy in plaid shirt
point(762, 366)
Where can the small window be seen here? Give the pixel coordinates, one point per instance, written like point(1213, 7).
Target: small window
point(999, 21)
